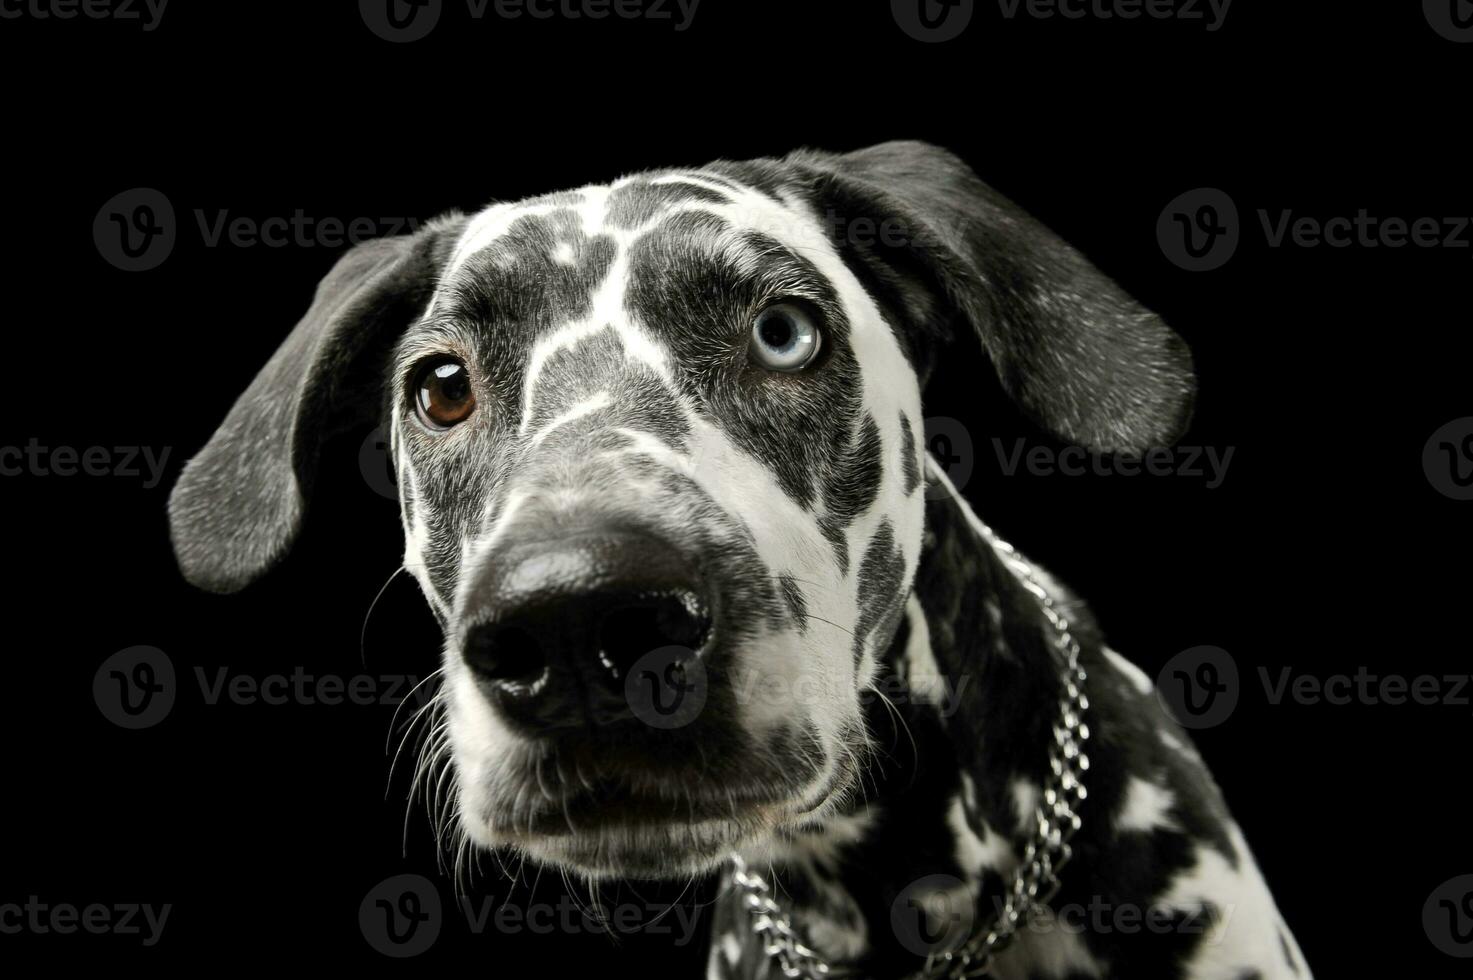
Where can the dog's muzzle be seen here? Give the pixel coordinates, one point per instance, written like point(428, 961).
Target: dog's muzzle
point(557, 625)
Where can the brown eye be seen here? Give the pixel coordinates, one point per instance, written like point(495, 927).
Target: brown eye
point(442, 394)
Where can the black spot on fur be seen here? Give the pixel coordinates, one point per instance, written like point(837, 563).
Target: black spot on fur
point(881, 595)
point(635, 397)
point(1001, 729)
point(697, 285)
point(910, 463)
point(797, 605)
point(908, 791)
point(638, 203)
point(518, 284)
point(852, 486)
point(833, 530)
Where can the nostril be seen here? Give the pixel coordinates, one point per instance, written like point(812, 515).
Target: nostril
point(648, 623)
point(507, 654)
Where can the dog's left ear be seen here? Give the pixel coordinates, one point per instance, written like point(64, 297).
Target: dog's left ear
point(239, 504)
point(1079, 355)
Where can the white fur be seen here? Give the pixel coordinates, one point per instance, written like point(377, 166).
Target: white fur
point(1147, 807)
point(1246, 932)
point(1131, 672)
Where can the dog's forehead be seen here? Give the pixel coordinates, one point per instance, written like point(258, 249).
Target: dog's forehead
point(546, 257)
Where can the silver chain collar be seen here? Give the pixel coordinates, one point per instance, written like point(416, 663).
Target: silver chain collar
point(1035, 882)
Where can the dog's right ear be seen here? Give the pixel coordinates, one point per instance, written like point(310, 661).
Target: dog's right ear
point(1079, 355)
point(239, 504)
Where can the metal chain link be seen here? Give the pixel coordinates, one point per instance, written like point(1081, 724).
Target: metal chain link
point(1036, 881)
point(774, 927)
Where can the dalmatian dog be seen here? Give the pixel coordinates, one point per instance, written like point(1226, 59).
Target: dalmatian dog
point(659, 444)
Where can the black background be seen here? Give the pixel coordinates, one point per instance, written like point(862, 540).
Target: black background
point(1326, 369)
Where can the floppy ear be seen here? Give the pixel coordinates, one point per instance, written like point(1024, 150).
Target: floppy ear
point(1082, 358)
point(238, 504)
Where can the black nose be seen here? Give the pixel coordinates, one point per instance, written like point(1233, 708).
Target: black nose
point(557, 625)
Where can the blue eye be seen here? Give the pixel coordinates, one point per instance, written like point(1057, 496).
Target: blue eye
point(784, 338)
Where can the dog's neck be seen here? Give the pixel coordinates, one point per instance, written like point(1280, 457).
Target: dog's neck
point(972, 679)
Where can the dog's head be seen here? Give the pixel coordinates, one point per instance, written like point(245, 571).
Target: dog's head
point(659, 451)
